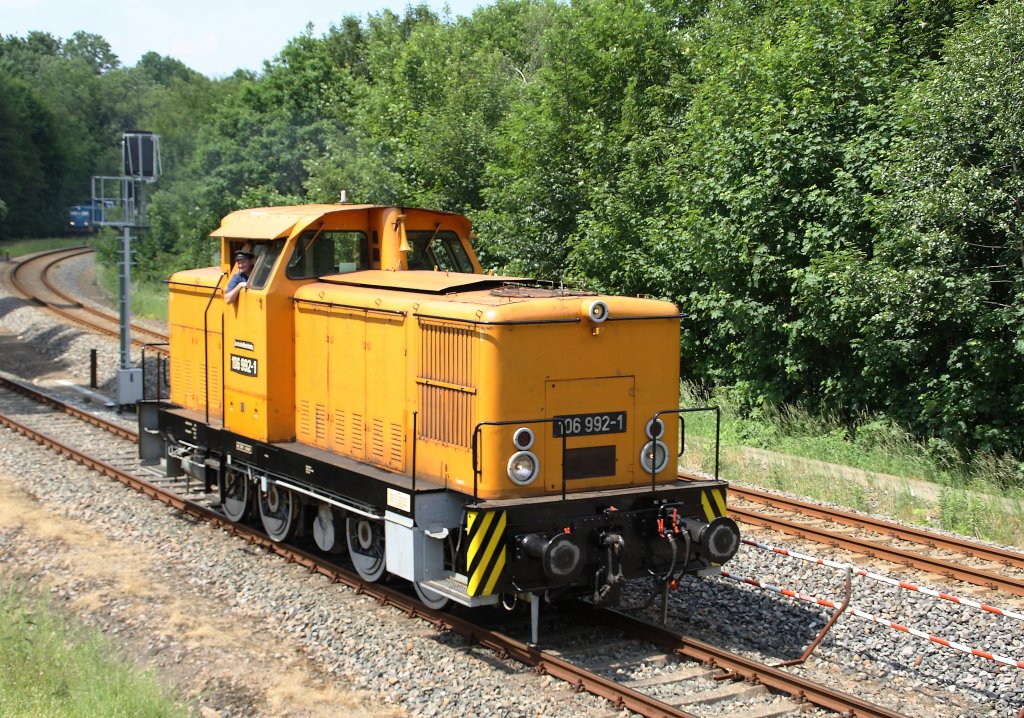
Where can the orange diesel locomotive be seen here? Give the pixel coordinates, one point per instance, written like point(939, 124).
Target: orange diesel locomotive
point(480, 436)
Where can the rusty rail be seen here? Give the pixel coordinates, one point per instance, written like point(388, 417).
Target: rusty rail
point(882, 527)
point(38, 396)
point(51, 259)
point(874, 549)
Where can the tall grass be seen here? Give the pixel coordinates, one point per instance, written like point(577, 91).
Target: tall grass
point(149, 299)
point(21, 247)
point(869, 464)
point(51, 667)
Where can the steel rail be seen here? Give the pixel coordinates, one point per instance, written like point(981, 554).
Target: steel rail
point(72, 316)
point(751, 670)
point(36, 395)
point(505, 646)
point(881, 526)
point(20, 266)
point(874, 549)
point(27, 293)
point(104, 315)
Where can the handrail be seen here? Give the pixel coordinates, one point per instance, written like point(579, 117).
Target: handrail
point(519, 322)
point(475, 443)
point(223, 375)
point(478, 440)
point(682, 433)
point(191, 285)
point(206, 349)
point(152, 344)
point(640, 319)
point(509, 322)
point(353, 307)
point(412, 507)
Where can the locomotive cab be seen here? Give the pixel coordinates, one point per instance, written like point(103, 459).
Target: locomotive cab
point(292, 247)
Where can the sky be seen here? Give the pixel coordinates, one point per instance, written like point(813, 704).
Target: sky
point(214, 37)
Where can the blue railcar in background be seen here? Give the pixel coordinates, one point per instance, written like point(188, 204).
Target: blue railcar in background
point(80, 220)
point(85, 218)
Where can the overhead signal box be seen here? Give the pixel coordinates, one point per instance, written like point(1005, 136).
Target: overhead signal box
point(141, 155)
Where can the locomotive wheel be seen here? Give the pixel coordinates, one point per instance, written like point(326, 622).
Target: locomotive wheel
point(366, 547)
point(329, 529)
point(235, 499)
point(278, 510)
point(429, 598)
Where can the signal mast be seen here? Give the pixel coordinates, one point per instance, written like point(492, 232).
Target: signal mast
point(123, 203)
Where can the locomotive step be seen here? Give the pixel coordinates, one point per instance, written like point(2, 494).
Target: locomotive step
point(455, 588)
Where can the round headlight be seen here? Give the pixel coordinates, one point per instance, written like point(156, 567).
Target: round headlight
point(523, 438)
point(523, 467)
point(597, 311)
point(655, 428)
point(654, 454)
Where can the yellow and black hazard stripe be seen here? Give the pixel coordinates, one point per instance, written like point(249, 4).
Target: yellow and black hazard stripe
point(486, 556)
point(712, 501)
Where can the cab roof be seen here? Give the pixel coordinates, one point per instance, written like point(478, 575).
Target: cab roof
point(274, 222)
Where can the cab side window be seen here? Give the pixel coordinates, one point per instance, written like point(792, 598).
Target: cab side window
point(266, 257)
point(457, 254)
point(322, 252)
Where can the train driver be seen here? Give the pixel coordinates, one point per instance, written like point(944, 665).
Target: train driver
point(243, 262)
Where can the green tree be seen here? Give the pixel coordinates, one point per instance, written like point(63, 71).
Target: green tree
point(943, 322)
point(253, 148)
point(91, 48)
point(765, 177)
point(161, 95)
point(420, 127)
point(636, 67)
point(68, 79)
point(20, 56)
point(31, 163)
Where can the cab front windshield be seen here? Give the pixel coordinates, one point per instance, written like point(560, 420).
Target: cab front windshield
point(438, 250)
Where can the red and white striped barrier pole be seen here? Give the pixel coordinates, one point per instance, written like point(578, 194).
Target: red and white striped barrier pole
point(886, 579)
point(881, 621)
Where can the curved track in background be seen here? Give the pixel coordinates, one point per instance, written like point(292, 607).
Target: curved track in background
point(31, 278)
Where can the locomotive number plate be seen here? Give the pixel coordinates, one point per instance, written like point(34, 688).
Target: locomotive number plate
point(244, 365)
point(607, 422)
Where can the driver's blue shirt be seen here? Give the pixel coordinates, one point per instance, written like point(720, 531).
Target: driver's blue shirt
point(239, 277)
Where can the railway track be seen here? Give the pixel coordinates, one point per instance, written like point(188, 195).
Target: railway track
point(32, 278)
point(948, 556)
point(698, 675)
